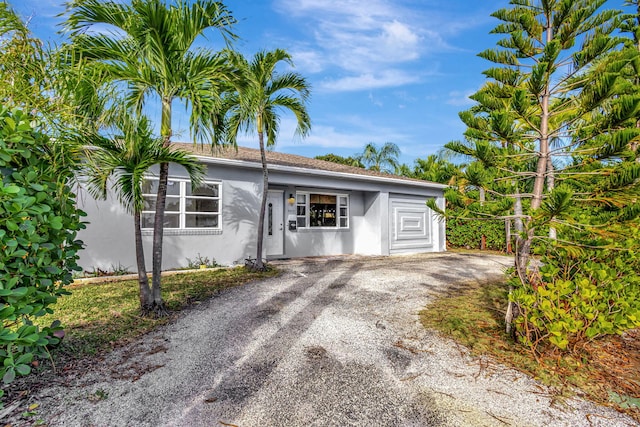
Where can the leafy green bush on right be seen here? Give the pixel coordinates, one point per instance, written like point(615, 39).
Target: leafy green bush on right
point(581, 294)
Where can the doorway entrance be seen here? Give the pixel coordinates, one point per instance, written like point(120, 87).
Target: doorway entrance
point(274, 223)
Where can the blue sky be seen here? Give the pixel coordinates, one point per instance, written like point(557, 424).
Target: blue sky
point(380, 70)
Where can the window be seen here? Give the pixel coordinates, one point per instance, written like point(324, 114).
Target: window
point(322, 210)
point(301, 210)
point(185, 208)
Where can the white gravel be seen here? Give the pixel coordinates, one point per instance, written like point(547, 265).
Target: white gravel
point(331, 342)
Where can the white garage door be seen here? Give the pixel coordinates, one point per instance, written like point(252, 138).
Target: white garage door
point(409, 225)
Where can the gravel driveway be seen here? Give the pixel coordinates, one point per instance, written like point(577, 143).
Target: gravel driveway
point(331, 342)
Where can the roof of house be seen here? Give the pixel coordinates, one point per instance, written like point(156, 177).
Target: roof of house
point(252, 155)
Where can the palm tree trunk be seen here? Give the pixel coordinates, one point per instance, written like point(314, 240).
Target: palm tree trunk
point(143, 280)
point(158, 232)
point(263, 204)
point(158, 223)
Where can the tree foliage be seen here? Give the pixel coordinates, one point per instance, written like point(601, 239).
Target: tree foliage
point(260, 92)
point(23, 68)
point(432, 168)
point(334, 158)
point(552, 148)
point(119, 159)
point(380, 159)
point(38, 226)
point(583, 292)
point(465, 233)
point(151, 53)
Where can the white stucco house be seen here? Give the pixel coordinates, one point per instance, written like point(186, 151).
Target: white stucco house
point(314, 208)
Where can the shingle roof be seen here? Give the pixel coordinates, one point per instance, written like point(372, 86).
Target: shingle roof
point(274, 158)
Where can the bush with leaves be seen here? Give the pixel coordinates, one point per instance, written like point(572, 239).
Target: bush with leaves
point(462, 233)
point(38, 246)
point(582, 293)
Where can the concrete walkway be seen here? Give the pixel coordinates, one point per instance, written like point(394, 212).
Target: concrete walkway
point(331, 342)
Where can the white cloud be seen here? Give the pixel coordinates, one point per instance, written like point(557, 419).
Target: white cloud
point(401, 40)
point(383, 79)
point(356, 48)
point(366, 41)
point(308, 60)
point(331, 136)
point(375, 101)
point(360, 11)
point(460, 98)
point(405, 96)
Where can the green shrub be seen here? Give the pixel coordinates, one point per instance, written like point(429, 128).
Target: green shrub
point(581, 294)
point(463, 233)
point(38, 246)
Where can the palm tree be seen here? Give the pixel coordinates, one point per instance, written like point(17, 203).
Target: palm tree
point(21, 62)
point(384, 159)
point(151, 54)
point(435, 168)
point(123, 161)
point(334, 158)
point(260, 93)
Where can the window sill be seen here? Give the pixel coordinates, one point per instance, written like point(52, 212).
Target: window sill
point(312, 229)
point(186, 232)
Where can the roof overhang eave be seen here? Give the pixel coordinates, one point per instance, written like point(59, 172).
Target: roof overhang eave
point(319, 172)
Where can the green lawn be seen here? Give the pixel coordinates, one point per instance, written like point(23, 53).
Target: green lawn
point(97, 315)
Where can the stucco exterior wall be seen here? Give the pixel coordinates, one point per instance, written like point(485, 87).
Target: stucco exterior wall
point(321, 241)
point(109, 238)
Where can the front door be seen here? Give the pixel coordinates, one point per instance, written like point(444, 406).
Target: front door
point(274, 224)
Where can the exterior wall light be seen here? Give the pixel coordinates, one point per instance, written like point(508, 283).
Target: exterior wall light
point(291, 199)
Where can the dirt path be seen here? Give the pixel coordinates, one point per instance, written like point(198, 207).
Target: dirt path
point(331, 342)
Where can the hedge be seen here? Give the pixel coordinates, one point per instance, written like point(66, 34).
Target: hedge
point(467, 233)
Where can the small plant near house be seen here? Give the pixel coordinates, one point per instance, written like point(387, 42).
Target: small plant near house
point(252, 264)
point(119, 270)
point(201, 262)
point(114, 270)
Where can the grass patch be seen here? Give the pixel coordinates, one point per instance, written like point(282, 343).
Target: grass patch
point(98, 315)
point(604, 371)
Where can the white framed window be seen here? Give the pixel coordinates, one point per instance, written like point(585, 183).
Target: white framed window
point(185, 209)
point(322, 210)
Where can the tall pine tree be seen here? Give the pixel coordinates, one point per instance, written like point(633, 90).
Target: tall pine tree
point(559, 115)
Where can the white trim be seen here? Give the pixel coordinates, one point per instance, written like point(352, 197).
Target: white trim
point(184, 231)
point(182, 214)
point(307, 204)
